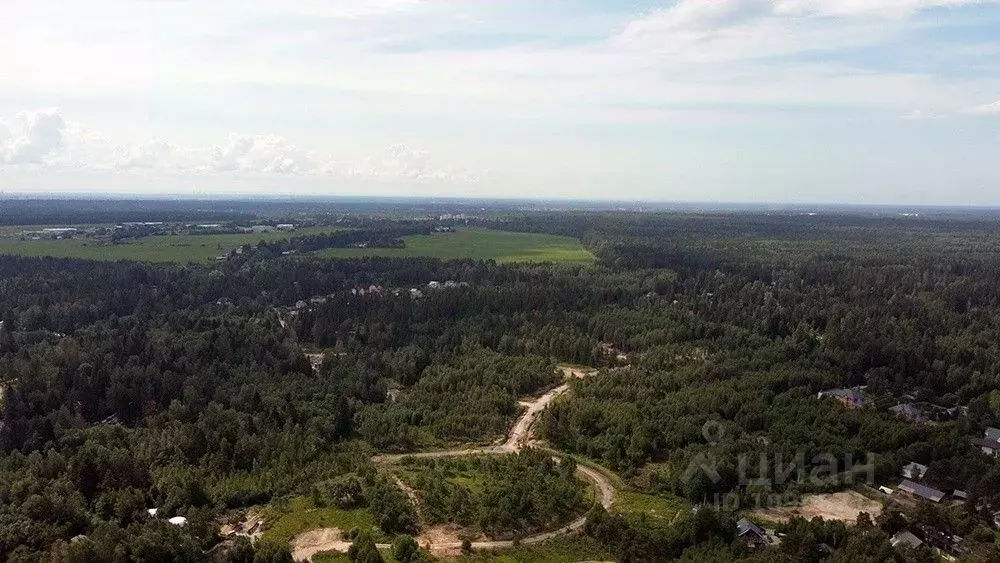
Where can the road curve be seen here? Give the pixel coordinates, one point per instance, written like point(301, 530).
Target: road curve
point(518, 438)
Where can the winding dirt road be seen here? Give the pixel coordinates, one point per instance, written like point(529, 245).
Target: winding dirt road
point(519, 437)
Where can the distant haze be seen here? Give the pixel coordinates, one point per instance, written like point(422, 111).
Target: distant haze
point(804, 101)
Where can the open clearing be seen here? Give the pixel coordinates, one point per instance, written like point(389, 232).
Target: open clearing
point(178, 249)
point(300, 515)
point(501, 246)
point(844, 506)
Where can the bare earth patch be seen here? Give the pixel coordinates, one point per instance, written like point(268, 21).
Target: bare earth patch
point(307, 544)
point(252, 525)
point(844, 506)
point(443, 540)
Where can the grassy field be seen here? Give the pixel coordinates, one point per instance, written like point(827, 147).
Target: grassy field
point(501, 246)
point(158, 248)
point(632, 504)
point(659, 509)
point(300, 515)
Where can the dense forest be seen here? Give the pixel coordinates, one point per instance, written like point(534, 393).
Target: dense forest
point(189, 389)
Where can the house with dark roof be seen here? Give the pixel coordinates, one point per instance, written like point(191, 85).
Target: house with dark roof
point(922, 491)
point(914, 470)
point(751, 534)
point(988, 447)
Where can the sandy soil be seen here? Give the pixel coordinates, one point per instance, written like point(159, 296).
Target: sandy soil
point(844, 506)
point(252, 525)
point(307, 544)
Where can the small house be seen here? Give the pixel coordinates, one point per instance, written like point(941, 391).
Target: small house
point(988, 447)
point(992, 434)
point(751, 534)
point(922, 491)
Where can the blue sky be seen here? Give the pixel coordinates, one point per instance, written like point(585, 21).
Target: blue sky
point(856, 101)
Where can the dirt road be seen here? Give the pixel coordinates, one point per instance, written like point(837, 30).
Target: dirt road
point(519, 437)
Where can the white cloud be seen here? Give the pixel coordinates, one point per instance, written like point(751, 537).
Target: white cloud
point(522, 87)
point(738, 30)
point(985, 109)
point(400, 162)
point(261, 154)
point(43, 139)
point(921, 115)
point(33, 136)
point(891, 8)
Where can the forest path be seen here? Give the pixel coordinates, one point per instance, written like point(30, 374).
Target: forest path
point(521, 433)
point(521, 436)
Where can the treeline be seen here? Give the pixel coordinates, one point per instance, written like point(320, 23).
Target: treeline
point(95, 211)
point(382, 236)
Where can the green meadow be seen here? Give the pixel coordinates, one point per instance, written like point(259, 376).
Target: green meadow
point(501, 246)
point(156, 248)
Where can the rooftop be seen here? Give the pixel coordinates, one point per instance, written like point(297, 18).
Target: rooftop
point(921, 490)
point(744, 526)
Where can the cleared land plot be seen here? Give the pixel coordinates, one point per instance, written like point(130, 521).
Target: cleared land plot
point(660, 509)
point(478, 244)
point(301, 515)
point(157, 248)
point(844, 506)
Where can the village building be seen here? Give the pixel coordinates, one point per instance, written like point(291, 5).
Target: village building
point(751, 534)
point(987, 446)
point(921, 491)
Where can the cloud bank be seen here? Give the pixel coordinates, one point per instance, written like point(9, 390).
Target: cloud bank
point(31, 136)
point(43, 139)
